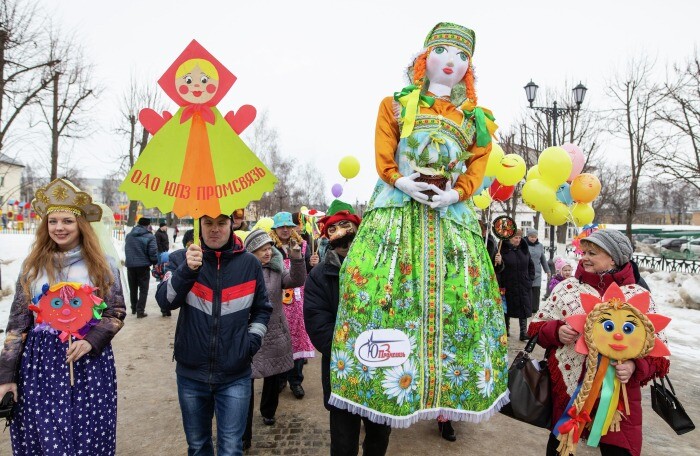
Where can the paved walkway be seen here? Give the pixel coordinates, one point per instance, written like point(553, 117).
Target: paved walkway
point(149, 416)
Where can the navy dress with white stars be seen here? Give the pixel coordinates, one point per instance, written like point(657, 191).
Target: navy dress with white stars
point(55, 418)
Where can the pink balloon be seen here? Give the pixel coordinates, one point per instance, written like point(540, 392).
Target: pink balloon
point(337, 190)
point(577, 159)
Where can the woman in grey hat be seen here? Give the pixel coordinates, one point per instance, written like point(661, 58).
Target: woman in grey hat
point(606, 259)
point(275, 355)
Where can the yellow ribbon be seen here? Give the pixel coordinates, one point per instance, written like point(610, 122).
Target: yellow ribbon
point(410, 98)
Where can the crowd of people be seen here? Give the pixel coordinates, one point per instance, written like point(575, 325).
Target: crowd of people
point(406, 306)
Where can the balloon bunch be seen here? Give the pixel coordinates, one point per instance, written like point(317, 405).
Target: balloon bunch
point(503, 172)
point(557, 189)
point(348, 167)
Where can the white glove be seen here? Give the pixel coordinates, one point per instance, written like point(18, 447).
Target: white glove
point(443, 198)
point(409, 186)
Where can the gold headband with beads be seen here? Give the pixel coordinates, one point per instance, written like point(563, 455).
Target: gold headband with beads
point(63, 195)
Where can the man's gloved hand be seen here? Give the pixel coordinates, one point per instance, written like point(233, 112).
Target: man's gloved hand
point(443, 198)
point(409, 186)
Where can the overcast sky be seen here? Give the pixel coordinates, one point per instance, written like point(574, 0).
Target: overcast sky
point(320, 68)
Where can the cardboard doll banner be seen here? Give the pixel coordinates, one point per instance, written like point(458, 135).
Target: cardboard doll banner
point(196, 164)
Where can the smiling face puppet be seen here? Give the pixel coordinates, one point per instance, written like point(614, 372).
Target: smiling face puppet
point(68, 307)
point(619, 328)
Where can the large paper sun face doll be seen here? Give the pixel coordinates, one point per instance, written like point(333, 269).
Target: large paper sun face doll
point(619, 328)
point(68, 307)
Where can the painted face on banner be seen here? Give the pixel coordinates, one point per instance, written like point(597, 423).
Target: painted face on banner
point(196, 86)
point(619, 334)
point(446, 65)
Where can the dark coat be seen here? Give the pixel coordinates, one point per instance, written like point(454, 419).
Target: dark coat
point(320, 310)
point(275, 355)
point(162, 241)
point(224, 311)
point(516, 278)
point(140, 248)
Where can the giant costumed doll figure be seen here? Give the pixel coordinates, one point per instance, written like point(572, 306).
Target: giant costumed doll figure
point(420, 331)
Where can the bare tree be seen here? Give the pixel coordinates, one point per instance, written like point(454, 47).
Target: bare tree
point(137, 97)
point(635, 97)
point(23, 62)
point(681, 113)
point(71, 92)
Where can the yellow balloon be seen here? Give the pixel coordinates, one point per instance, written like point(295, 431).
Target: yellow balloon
point(242, 234)
point(533, 173)
point(554, 165)
point(512, 169)
point(482, 200)
point(538, 195)
point(582, 214)
point(557, 214)
point(349, 167)
point(495, 158)
point(264, 223)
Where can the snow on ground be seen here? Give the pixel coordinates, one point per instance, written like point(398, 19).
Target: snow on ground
point(671, 291)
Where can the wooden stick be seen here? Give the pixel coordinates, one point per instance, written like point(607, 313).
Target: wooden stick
point(70, 344)
point(499, 245)
point(196, 231)
point(624, 396)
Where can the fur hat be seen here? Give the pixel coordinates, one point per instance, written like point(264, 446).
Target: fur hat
point(616, 244)
point(256, 239)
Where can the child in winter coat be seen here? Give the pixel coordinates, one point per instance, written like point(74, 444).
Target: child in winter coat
point(564, 270)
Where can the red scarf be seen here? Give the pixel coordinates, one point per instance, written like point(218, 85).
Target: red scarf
point(203, 110)
point(601, 282)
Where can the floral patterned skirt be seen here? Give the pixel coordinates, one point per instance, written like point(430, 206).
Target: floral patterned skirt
point(431, 279)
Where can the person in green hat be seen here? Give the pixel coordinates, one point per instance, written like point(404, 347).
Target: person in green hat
point(285, 237)
point(420, 332)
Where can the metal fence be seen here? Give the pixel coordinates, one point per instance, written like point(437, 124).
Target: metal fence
point(117, 233)
point(661, 263)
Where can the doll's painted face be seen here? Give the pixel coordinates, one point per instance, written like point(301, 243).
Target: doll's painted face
point(619, 334)
point(447, 65)
point(196, 86)
point(66, 309)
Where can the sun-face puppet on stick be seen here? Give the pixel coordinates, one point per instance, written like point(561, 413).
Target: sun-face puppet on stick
point(613, 329)
point(69, 308)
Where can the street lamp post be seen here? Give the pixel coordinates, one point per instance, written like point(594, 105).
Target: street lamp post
point(554, 113)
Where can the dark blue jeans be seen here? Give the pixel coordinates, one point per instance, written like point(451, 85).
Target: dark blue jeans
point(199, 401)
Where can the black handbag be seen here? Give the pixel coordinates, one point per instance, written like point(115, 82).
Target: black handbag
point(7, 406)
point(667, 406)
point(530, 400)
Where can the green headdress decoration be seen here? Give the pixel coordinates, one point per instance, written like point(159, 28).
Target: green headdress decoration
point(449, 34)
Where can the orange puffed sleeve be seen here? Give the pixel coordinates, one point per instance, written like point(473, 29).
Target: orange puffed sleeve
point(386, 139)
point(476, 166)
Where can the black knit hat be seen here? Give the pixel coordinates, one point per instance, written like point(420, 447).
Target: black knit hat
point(144, 221)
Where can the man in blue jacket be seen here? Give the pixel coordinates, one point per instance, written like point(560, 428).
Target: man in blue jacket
point(224, 311)
point(141, 253)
